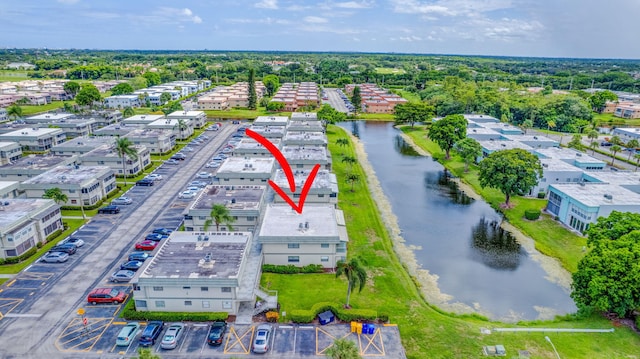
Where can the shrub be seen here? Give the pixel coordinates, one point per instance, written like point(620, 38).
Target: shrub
point(291, 269)
point(532, 214)
point(345, 315)
point(129, 312)
point(272, 316)
point(541, 195)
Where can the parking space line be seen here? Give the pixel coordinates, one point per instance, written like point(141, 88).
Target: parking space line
point(8, 304)
point(238, 341)
point(72, 337)
point(318, 333)
point(11, 282)
point(380, 349)
point(35, 276)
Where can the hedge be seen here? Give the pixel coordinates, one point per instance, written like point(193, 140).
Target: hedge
point(129, 313)
point(532, 214)
point(291, 269)
point(20, 258)
point(345, 315)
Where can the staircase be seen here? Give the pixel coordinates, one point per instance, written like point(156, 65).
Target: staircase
point(269, 300)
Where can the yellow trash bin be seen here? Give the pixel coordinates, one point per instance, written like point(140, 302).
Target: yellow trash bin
point(353, 326)
point(359, 328)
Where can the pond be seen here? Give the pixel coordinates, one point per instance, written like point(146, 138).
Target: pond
point(476, 265)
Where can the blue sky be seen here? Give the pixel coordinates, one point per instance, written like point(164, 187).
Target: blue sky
point(545, 28)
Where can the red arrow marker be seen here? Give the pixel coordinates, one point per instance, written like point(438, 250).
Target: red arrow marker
point(286, 168)
point(277, 154)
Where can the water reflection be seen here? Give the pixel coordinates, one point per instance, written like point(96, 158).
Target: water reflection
point(494, 246)
point(403, 147)
point(443, 183)
point(355, 128)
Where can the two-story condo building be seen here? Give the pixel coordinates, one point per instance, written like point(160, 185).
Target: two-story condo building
point(246, 171)
point(33, 165)
point(324, 188)
point(35, 139)
point(107, 155)
point(9, 152)
point(26, 222)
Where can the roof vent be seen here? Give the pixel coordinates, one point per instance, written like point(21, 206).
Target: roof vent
point(207, 258)
point(608, 196)
point(306, 225)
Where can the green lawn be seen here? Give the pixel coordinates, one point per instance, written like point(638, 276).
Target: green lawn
point(390, 71)
point(239, 113)
point(28, 110)
point(426, 331)
point(409, 96)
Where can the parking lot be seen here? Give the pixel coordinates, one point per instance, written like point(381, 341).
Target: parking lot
point(287, 341)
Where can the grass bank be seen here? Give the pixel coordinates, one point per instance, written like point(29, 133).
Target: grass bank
point(426, 331)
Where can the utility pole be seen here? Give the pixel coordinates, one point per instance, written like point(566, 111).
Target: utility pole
point(571, 84)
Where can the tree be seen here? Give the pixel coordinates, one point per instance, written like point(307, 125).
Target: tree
point(356, 99)
point(593, 136)
point(526, 124)
point(607, 277)
point(181, 125)
point(275, 106)
point(616, 140)
point(253, 98)
point(599, 100)
point(447, 131)
point(349, 160)
point(272, 83)
point(23, 101)
point(616, 225)
point(14, 111)
point(343, 348)
point(125, 148)
point(342, 142)
point(88, 95)
point(413, 112)
point(355, 273)
point(614, 149)
point(122, 89)
point(631, 146)
point(219, 214)
point(72, 88)
point(165, 97)
point(637, 158)
point(56, 195)
point(329, 115)
point(576, 142)
point(152, 78)
point(128, 112)
point(352, 178)
point(145, 353)
point(469, 149)
point(513, 172)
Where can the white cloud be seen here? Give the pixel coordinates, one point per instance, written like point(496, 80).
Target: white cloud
point(411, 38)
point(330, 29)
point(267, 4)
point(450, 7)
point(70, 2)
point(315, 20)
point(265, 21)
point(354, 4)
point(177, 15)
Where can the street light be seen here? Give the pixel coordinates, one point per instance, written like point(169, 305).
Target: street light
point(553, 346)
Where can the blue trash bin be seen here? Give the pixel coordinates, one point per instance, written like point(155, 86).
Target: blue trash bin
point(372, 329)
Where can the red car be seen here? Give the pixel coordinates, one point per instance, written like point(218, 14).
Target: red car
point(106, 295)
point(146, 245)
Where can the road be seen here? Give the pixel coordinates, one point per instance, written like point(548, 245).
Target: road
point(335, 100)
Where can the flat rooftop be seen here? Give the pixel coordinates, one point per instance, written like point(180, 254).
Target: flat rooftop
point(188, 114)
point(281, 221)
point(304, 116)
point(118, 129)
point(247, 165)
point(310, 153)
point(34, 162)
point(153, 133)
point(18, 208)
point(305, 136)
point(142, 119)
point(306, 126)
point(480, 118)
point(195, 255)
point(619, 177)
point(50, 117)
point(4, 185)
point(324, 179)
point(85, 142)
point(261, 129)
point(504, 145)
point(557, 165)
point(9, 144)
point(593, 194)
point(271, 120)
point(167, 122)
point(33, 131)
point(68, 175)
point(237, 197)
point(251, 144)
point(566, 154)
point(107, 151)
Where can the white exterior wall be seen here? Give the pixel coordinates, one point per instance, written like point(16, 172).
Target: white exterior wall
point(307, 253)
point(174, 296)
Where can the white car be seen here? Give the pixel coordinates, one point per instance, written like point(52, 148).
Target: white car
point(122, 201)
point(194, 189)
point(212, 165)
point(187, 195)
point(155, 177)
point(204, 175)
point(188, 149)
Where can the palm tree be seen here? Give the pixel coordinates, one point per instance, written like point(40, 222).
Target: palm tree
point(124, 147)
point(614, 149)
point(637, 158)
point(551, 124)
point(352, 178)
point(355, 273)
point(342, 142)
point(350, 160)
point(616, 140)
point(593, 145)
point(631, 146)
point(593, 135)
point(14, 111)
point(181, 126)
point(343, 348)
point(56, 195)
point(128, 112)
point(219, 214)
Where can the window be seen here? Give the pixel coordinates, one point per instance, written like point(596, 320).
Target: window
point(206, 304)
point(141, 303)
point(251, 218)
point(158, 289)
point(159, 303)
point(226, 304)
point(293, 245)
point(188, 303)
point(293, 259)
point(324, 259)
point(204, 289)
point(324, 245)
point(226, 289)
point(186, 287)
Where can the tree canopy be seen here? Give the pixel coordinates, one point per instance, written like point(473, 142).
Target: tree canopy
point(447, 131)
point(253, 98)
point(469, 149)
point(88, 95)
point(272, 83)
point(356, 98)
point(513, 172)
point(412, 112)
point(122, 89)
point(71, 87)
point(153, 78)
point(329, 115)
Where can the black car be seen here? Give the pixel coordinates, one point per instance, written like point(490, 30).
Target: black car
point(151, 333)
point(138, 256)
point(67, 248)
point(109, 209)
point(179, 156)
point(216, 333)
point(131, 265)
point(145, 182)
point(163, 231)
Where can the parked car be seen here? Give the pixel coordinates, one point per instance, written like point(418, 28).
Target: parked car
point(261, 340)
point(138, 256)
point(127, 333)
point(204, 175)
point(179, 156)
point(73, 240)
point(123, 275)
point(109, 209)
point(131, 265)
point(154, 176)
point(67, 248)
point(227, 150)
point(172, 336)
point(187, 195)
point(155, 237)
point(55, 257)
point(212, 165)
point(163, 231)
point(216, 333)
point(145, 182)
point(188, 149)
point(146, 245)
point(151, 333)
point(172, 161)
point(106, 295)
point(199, 184)
point(194, 189)
point(122, 201)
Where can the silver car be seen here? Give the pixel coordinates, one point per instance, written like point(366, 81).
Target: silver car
point(172, 336)
point(123, 275)
point(261, 341)
point(55, 257)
